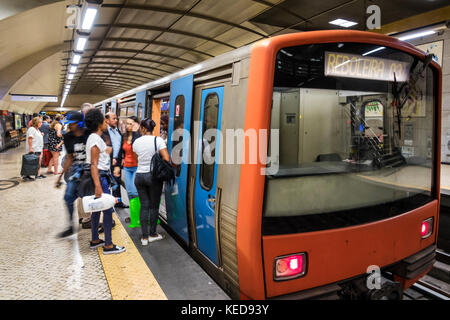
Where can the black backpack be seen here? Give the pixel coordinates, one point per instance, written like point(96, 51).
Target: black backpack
point(160, 169)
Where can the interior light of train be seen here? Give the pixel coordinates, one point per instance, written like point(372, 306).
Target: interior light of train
point(76, 59)
point(373, 51)
point(417, 35)
point(81, 43)
point(88, 18)
point(426, 229)
point(290, 267)
point(343, 23)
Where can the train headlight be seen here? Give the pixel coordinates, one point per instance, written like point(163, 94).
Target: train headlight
point(426, 229)
point(289, 267)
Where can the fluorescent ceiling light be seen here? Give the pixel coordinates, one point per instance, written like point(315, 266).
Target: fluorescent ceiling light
point(374, 50)
point(73, 69)
point(70, 76)
point(343, 23)
point(76, 59)
point(88, 18)
point(81, 43)
point(417, 35)
point(68, 86)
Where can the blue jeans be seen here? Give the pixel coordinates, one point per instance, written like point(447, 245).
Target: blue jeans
point(70, 196)
point(129, 174)
point(107, 217)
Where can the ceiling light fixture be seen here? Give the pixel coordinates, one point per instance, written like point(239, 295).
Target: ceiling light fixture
point(417, 35)
point(81, 43)
point(76, 58)
point(73, 69)
point(343, 23)
point(88, 18)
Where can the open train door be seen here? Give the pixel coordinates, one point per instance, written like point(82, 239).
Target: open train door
point(179, 118)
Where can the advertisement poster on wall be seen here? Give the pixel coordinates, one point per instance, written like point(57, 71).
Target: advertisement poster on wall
point(435, 48)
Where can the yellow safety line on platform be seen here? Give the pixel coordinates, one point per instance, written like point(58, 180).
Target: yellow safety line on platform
point(128, 276)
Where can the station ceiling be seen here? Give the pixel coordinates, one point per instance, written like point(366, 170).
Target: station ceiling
point(137, 41)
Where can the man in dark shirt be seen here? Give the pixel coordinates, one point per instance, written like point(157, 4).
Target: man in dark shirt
point(75, 143)
point(44, 129)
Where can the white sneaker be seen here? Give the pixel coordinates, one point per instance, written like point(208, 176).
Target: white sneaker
point(159, 237)
point(144, 242)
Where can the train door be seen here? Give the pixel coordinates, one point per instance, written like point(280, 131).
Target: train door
point(206, 173)
point(181, 92)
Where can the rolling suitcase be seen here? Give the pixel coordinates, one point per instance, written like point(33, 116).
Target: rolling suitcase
point(30, 165)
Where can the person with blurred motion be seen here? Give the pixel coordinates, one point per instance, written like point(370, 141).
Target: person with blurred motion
point(55, 142)
point(149, 189)
point(98, 158)
point(128, 161)
point(75, 144)
point(35, 144)
point(113, 138)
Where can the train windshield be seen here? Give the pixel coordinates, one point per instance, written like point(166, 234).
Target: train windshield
point(356, 131)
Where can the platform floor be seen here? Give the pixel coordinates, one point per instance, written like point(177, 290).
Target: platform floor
point(35, 264)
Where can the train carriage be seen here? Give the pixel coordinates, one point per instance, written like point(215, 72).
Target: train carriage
point(339, 178)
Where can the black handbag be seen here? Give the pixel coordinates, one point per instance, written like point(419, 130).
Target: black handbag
point(30, 165)
point(160, 169)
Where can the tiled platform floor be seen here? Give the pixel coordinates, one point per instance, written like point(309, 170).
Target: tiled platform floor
point(34, 264)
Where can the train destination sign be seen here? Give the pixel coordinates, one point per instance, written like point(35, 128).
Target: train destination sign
point(339, 64)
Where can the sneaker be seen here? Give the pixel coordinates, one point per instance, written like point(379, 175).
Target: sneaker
point(28, 178)
point(113, 250)
point(41, 177)
point(121, 205)
point(155, 238)
point(96, 245)
point(144, 241)
point(66, 233)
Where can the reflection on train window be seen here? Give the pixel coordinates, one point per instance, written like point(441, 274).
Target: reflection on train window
point(210, 119)
point(347, 154)
point(178, 123)
point(139, 113)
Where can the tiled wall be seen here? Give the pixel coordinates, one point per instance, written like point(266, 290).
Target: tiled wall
point(445, 64)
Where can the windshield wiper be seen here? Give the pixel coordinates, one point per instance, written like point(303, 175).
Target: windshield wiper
point(413, 77)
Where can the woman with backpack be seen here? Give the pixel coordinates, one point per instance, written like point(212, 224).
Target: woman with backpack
point(148, 187)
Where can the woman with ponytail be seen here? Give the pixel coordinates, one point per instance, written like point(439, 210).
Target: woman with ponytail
point(149, 189)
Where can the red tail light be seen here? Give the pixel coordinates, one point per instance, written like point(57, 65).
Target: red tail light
point(426, 229)
point(290, 266)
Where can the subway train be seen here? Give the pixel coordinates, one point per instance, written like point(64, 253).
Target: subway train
point(325, 176)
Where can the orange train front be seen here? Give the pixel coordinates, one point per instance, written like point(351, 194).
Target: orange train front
point(357, 185)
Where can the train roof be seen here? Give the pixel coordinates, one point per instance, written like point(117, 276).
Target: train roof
point(213, 63)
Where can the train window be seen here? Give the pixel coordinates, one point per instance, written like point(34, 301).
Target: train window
point(210, 119)
point(357, 132)
point(178, 123)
